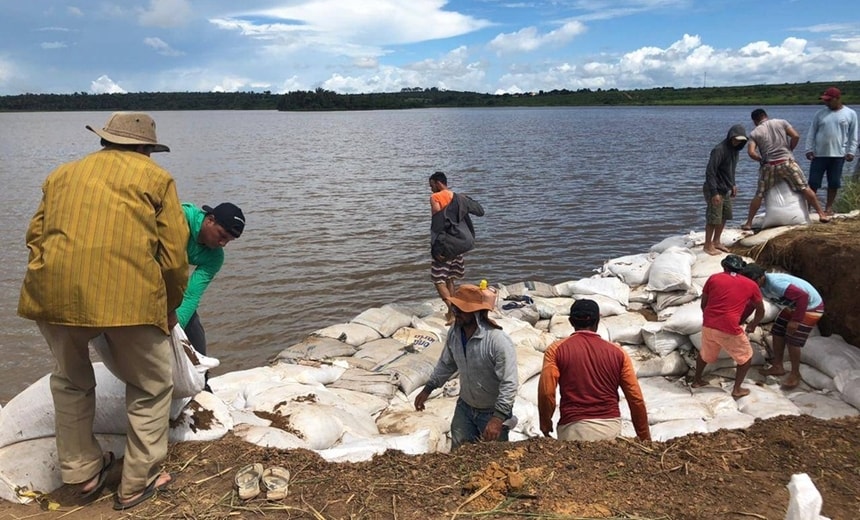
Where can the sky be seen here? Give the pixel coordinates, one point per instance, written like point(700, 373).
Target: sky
point(362, 46)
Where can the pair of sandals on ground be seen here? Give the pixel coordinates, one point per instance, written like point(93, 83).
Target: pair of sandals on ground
point(94, 486)
point(275, 480)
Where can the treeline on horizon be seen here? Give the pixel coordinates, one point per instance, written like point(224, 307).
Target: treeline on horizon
point(408, 98)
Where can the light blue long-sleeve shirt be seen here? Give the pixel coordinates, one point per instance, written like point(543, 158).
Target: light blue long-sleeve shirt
point(833, 133)
point(487, 365)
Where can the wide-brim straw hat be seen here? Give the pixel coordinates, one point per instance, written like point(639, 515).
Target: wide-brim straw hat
point(130, 128)
point(471, 298)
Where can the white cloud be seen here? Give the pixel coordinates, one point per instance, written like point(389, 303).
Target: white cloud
point(161, 47)
point(529, 39)
point(351, 28)
point(74, 11)
point(105, 85)
point(53, 45)
point(230, 84)
point(166, 13)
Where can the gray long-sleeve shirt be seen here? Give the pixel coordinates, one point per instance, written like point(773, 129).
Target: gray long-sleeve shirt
point(487, 365)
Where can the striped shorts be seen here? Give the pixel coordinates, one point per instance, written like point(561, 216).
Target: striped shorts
point(770, 174)
point(798, 339)
point(441, 272)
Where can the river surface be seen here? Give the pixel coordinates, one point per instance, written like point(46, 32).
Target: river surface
point(337, 204)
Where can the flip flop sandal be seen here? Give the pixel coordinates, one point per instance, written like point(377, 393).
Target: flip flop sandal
point(276, 480)
point(248, 481)
point(108, 459)
point(150, 491)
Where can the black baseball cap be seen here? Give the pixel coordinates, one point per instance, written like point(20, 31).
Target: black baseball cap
point(228, 216)
point(584, 312)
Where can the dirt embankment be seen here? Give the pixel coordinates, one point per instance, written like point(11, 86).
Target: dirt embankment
point(828, 257)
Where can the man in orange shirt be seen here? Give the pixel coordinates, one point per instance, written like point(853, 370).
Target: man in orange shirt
point(588, 371)
point(444, 272)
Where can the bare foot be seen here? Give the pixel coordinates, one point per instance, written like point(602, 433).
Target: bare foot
point(740, 393)
point(722, 248)
point(746, 227)
point(698, 384)
point(791, 382)
point(712, 251)
point(772, 371)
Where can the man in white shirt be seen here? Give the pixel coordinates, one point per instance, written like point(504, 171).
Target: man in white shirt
point(831, 141)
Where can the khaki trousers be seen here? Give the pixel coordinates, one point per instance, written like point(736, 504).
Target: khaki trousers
point(143, 360)
point(590, 430)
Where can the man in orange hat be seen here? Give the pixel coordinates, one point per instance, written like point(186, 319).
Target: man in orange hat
point(486, 359)
point(831, 141)
point(107, 256)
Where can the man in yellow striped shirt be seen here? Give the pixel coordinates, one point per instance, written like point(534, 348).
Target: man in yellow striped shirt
point(107, 256)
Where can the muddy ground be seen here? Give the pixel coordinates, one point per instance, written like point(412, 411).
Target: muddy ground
point(737, 474)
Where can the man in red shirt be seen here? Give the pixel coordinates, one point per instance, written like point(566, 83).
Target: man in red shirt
point(725, 298)
point(588, 371)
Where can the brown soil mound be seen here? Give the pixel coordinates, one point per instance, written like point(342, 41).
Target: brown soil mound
point(737, 474)
point(825, 255)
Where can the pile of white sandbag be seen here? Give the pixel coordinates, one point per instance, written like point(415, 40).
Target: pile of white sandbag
point(347, 390)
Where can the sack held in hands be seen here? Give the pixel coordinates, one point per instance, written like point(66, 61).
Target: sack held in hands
point(452, 231)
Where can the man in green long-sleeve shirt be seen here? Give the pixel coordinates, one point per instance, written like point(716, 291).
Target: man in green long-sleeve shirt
point(210, 230)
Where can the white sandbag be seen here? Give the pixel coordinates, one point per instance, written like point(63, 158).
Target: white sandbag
point(669, 430)
point(361, 450)
point(668, 401)
point(402, 418)
point(731, 420)
point(830, 354)
point(529, 363)
point(662, 342)
point(414, 370)
point(804, 501)
point(529, 289)
point(189, 366)
point(765, 235)
point(321, 425)
point(248, 418)
point(822, 406)
point(665, 299)
point(560, 327)
point(269, 437)
point(528, 390)
point(435, 324)
point(672, 270)
point(381, 351)
point(30, 414)
point(686, 320)
point(707, 265)
point(608, 306)
point(816, 378)
point(641, 295)
point(309, 372)
point(33, 464)
point(610, 287)
point(648, 364)
point(206, 418)
point(353, 334)
point(848, 384)
point(420, 309)
point(322, 347)
point(764, 402)
point(631, 269)
point(417, 339)
point(784, 207)
point(549, 307)
point(625, 328)
point(385, 320)
point(355, 401)
point(676, 241)
point(268, 396)
point(380, 384)
point(525, 312)
point(528, 418)
point(531, 338)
